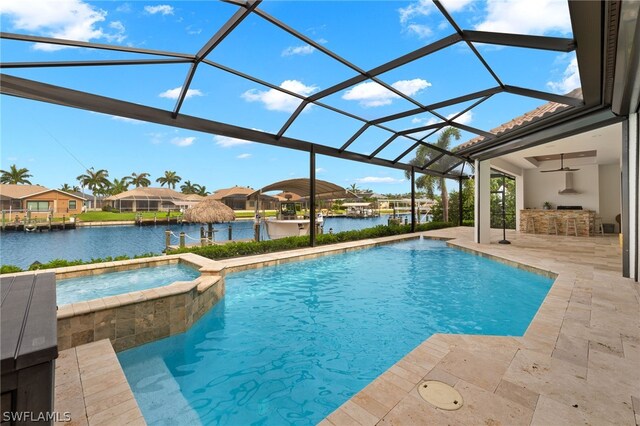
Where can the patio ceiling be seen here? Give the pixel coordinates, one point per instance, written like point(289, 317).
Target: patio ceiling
point(591, 42)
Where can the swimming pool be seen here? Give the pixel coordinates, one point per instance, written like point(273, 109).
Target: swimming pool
point(89, 287)
point(291, 343)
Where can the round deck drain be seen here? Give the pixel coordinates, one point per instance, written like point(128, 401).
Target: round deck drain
point(441, 395)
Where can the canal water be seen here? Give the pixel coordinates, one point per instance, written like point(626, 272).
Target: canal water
point(24, 248)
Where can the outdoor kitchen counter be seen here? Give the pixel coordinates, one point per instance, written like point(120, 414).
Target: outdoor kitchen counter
point(584, 220)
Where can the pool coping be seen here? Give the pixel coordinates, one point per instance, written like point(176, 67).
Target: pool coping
point(540, 336)
point(496, 374)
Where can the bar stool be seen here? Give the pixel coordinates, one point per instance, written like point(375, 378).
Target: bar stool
point(552, 223)
point(530, 225)
point(571, 221)
point(598, 228)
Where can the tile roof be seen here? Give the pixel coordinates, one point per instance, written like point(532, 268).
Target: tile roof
point(226, 192)
point(525, 119)
point(148, 193)
point(23, 191)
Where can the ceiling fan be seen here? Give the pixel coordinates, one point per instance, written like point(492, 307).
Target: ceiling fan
point(562, 168)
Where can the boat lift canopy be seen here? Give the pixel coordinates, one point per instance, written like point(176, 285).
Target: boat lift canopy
point(324, 190)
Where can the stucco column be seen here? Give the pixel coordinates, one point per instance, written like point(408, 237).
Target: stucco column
point(630, 196)
point(482, 213)
point(134, 206)
point(519, 198)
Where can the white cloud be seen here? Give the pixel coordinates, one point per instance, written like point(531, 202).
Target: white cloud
point(156, 138)
point(526, 16)
point(275, 100)
point(119, 35)
point(66, 19)
point(455, 5)
point(569, 81)
point(419, 8)
point(164, 9)
point(124, 8)
point(322, 40)
point(298, 50)
point(422, 31)
point(465, 118)
point(227, 142)
point(242, 156)
point(126, 119)
point(373, 95)
point(174, 93)
point(183, 141)
point(376, 179)
point(320, 170)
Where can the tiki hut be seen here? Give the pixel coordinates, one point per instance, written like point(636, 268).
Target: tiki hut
point(209, 211)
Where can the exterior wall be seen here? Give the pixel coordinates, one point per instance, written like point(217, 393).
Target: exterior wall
point(58, 201)
point(609, 193)
point(540, 187)
point(132, 319)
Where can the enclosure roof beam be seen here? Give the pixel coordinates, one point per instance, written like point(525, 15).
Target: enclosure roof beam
point(29, 89)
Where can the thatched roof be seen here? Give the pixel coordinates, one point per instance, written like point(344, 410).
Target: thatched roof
point(209, 211)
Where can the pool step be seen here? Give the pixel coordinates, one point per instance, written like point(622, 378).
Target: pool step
point(91, 388)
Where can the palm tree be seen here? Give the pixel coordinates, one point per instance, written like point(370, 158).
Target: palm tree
point(96, 181)
point(140, 180)
point(189, 188)
point(15, 176)
point(201, 190)
point(353, 188)
point(68, 188)
point(119, 186)
point(428, 182)
point(170, 179)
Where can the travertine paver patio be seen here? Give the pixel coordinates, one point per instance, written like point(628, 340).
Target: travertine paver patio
point(578, 362)
point(92, 388)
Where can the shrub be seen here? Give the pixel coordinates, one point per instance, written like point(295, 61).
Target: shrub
point(107, 208)
point(237, 249)
point(61, 263)
point(9, 269)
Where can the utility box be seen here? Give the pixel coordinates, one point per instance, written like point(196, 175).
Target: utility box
point(29, 347)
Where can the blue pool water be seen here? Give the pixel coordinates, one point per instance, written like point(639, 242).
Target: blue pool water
point(289, 344)
point(24, 248)
point(109, 284)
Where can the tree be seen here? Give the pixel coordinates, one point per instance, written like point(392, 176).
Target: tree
point(189, 188)
point(15, 176)
point(140, 180)
point(429, 182)
point(68, 188)
point(119, 185)
point(170, 179)
point(201, 190)
point(96, 181)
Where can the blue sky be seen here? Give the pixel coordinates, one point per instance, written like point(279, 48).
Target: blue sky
point(57, 143)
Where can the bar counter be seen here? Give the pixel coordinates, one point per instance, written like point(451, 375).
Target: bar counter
point(584, 220)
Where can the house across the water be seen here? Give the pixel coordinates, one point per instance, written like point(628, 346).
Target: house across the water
point(37, 201)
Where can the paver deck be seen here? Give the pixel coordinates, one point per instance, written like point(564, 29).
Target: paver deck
point(92, 388)
point(578, 362)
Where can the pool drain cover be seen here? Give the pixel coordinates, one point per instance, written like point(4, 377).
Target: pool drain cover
point(440, 395)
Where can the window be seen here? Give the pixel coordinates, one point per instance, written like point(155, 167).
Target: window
point(72, 204)
point(38, 206)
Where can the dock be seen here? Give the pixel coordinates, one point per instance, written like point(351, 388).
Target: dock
point(214, 243)
point(37, 227)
